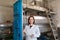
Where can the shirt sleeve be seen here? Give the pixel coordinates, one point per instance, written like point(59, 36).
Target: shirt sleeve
point(25, 29)
point(37, 32)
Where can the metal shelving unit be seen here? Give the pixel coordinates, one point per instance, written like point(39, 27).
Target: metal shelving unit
point(50, 14)
point(52, 23)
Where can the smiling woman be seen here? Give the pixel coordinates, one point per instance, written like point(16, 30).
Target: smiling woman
point(31, 30)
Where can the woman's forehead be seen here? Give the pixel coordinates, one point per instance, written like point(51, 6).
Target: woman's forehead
point(31, 17)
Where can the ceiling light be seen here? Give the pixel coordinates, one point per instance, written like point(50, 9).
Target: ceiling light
point(39, 17)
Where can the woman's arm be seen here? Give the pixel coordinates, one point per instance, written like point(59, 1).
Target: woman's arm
point(24, 31)
point(37, 32)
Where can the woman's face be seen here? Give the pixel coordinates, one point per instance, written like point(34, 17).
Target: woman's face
point(31, 20)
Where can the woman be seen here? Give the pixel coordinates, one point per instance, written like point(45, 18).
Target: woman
point(31, 31)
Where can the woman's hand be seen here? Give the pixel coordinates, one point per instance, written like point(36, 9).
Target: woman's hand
point(24, 33)
point(32, 35)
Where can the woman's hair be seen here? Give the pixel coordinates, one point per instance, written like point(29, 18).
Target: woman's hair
point(29, 19)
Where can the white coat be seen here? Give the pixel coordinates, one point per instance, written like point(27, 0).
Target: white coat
point(33, 30)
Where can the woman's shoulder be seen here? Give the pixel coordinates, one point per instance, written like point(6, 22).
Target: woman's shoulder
point(36, 26)
point(26, 25)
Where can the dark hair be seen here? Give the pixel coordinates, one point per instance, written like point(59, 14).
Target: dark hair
point(29, 19)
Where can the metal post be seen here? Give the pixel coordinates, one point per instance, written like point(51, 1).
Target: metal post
point(17, 24)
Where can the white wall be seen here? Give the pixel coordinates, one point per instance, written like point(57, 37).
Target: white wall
point(6, 13)
point(58, 11)
point(56, 7)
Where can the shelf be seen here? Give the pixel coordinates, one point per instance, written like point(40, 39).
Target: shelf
point(51, 13)
point(34, 7)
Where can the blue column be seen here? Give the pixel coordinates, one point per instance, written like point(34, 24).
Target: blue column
point(17, 24)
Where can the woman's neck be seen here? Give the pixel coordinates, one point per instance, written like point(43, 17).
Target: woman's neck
point(31, 24)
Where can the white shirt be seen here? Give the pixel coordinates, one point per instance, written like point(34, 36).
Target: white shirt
point(33, 30)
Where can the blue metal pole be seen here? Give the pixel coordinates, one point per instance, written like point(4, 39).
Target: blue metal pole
point(17, 24)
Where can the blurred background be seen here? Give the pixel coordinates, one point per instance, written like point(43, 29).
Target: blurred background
point(45, 12)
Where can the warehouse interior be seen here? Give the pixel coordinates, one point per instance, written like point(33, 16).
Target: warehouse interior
point(6, 19)
point(46, 13)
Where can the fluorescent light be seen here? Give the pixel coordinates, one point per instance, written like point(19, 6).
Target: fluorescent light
point(2, 25)
point(39, 17)
point(39, 0)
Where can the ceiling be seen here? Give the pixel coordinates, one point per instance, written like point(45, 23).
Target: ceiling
point(7, 2)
